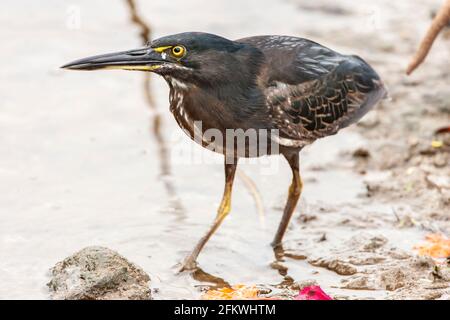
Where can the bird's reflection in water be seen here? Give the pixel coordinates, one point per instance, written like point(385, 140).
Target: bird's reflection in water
point(280, 256)
point(214, 282)
point(156, 121)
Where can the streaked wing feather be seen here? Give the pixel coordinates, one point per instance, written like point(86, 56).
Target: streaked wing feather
point(313, 91)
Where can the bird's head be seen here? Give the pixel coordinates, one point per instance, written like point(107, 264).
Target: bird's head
point(192, 57)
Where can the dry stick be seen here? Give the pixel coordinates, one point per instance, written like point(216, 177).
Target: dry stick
point(439, 22)
point(145, 34)
point(251, 186)
point(145, 29)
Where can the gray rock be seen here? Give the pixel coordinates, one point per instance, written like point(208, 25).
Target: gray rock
point(98, 273)
point(393, 279)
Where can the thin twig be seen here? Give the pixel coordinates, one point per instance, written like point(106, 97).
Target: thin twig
point(251, 186)
point(145, 29)
point(438, 23)
point(163, 153)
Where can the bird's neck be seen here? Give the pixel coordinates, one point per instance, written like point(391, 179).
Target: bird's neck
point(225, 107)
point(177, 94)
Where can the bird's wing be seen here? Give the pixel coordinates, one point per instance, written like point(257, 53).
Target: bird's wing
point(313, 91)
point(294, 60)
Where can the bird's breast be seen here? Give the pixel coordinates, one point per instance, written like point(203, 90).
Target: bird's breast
point(184, 111)
point(211, 129)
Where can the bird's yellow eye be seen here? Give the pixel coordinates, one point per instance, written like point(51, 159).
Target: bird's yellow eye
point(178, 51)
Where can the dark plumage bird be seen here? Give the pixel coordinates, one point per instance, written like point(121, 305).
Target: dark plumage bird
point(293, 89)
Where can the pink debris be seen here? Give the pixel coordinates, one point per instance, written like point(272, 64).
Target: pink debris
point(312, 293)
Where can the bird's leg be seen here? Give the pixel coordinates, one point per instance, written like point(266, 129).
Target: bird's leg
point(230, 169)
point(294, 194)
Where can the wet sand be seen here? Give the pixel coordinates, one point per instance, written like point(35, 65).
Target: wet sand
point(81, 164)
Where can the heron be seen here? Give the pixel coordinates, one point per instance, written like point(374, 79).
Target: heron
point(293, 89)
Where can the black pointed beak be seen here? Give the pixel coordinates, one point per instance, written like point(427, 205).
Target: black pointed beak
point(145, 59)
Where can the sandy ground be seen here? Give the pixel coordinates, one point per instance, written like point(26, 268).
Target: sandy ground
point(80, 164)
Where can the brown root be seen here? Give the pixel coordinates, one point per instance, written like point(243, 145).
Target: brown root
point(145, 29)
point(438, 23)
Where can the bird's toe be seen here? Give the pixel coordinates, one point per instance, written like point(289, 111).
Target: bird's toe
point(188, 265)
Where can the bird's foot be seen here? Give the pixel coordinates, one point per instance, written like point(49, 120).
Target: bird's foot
point(278, 250)
point(188, 265)
point(276, 244)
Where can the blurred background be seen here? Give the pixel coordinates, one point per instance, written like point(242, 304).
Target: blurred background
point(84, 157)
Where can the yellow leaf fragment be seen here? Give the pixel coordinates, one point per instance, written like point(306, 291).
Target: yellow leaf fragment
point(236, 292)
point(437, 144)
point(436, 246)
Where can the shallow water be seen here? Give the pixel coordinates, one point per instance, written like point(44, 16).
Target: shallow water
point(80, 164)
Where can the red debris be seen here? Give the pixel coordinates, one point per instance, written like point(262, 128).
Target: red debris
point(312, 293)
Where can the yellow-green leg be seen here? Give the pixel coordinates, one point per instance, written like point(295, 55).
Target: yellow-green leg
point(294, 194)
point(225, 206)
